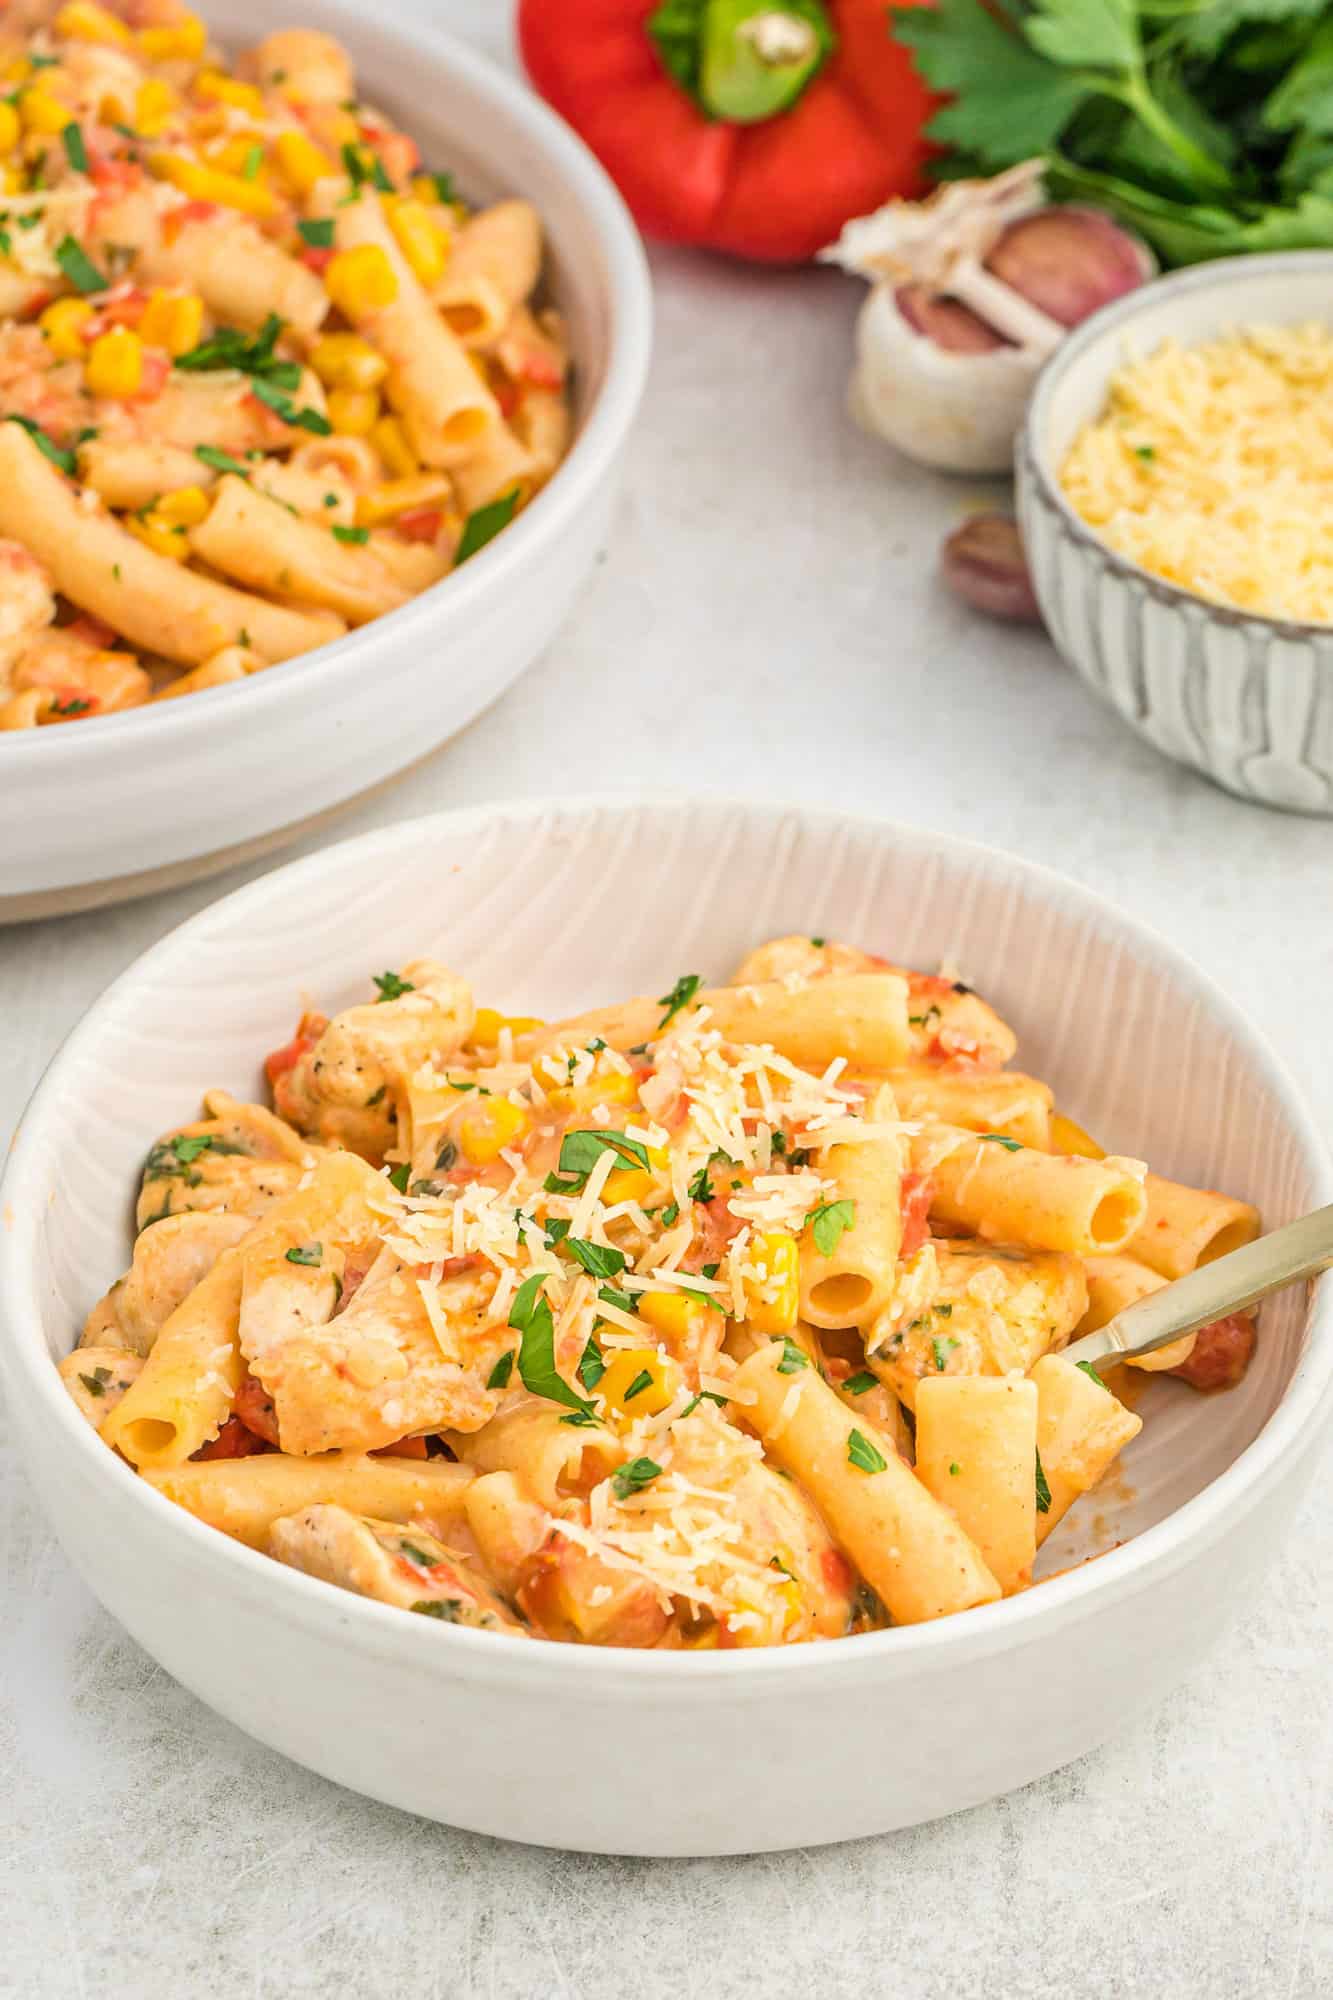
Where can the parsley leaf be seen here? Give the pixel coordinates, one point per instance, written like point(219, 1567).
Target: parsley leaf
point(633, 1476)
point(1043, 1490)
point(999, 1139)
point(282, 405)
point(856, 1385)
point(1090, 1371)
point(96, 1383)
point(65, 461)
point(643, 1380)
point(391, 986)
point(828, 1222)
point(860, 1452)
point(355, 536)
point(530, 1316)
point(78, 266)
point(400, 1177)
point(484, 525)
point(306, 1253)
point(221, 461)
point(75, 150)
point(446, 1608)
point(680, 996)
point(627, 1301)
point(503, 1369)
point(581, 1150)
point(793, 1359)
point(592, 1364)
point(941, 1348)
point(599, 1258)
point(318, 233)
point(670, 1214)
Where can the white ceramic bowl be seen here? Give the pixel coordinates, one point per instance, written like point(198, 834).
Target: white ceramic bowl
point(651, 1753)
point(185, 787)
point(1247, 701)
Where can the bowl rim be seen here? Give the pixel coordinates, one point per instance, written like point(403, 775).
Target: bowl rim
point(1033, 453)
point(163, 726)
point(376, 1629)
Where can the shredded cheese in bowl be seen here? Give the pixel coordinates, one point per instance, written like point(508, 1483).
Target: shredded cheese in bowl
point(1211, 466)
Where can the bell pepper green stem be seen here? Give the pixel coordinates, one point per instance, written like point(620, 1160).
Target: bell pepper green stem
point(743, 61)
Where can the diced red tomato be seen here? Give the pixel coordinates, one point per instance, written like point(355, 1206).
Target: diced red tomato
point(92, 631)
point(112, 173)
point(1221, 1354)
point(837, 1572)
point(316, 259)
point(177, 219)
point(419, 524)
point(155, 368)
point(914, 1207)
point(234, 1440)
point(253, 1405)
point(308, 1031)
point(404, 1448)
point(541, 369)
point(508, 393)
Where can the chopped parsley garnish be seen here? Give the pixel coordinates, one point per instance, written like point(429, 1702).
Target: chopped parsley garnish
point(643, 1380)
point(365, 168)
point(426, 1189)
point(76, 705)
point(793, 1359)
point(592, 1364)
point(306, 1253)
point(941, 1348)
point(247, 354)
point(828, 1222)
point(856, 1385)
point(598, 1258)
point(356, 536)
point(172, 1158)
point(96, 1383)
point(318, 234)
point(860, 1452)
point(530, 1317)
point(701, 1188)
point(484, 525)
point(446, 1608)
point(503, 1369)
point(282, 405)
point(1091, 1372)
point(581, 1150)
point(943, 1312)
point(633, 1476)
point(445, 190)
point(670, 1214)
point(416, 1555)
point(79, 267)
point(776, 1562)
point(64, 460)
point(75, 150)
point(954, 1468)
point(391, 986)
point(253, 161)
point(1043, 1490)
point(930, 1019)
point(1145, 451)
point(819, 943)
point(400, 1176)
point(221, 461)
point(1000, 1139)
point(680, 996)
point(446, 1157)
point(609, 1296)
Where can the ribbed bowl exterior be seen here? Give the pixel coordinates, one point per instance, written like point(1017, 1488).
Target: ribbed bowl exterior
point(1246, 701)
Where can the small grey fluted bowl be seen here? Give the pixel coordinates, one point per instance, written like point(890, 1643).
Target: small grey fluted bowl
point(1247, 701)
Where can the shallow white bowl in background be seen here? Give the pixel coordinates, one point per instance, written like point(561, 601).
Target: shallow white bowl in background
point(549, 908)
point(124, 804)
point(1247, 701)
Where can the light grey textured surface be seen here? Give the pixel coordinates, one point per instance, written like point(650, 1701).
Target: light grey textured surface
point(767, 621)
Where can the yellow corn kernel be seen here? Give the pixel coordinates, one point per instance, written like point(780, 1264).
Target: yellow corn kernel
point(361, 280)
point(390, 441)
point(616, 1087)
point(236, 155)
point(155, 104)
point(184, 41)
point(487, 1024)
point(9, 127)
point(164, 538)
point(626, 1369)
point(346, 361)
point(422, 242)
point(204, 183)
point(185, 508)
point(61, 323)
point(85, 21)
point(672, 1315)
point(772, 1294)
point(633, 1183)
point(1069, 1138)
point(173, 320)
point(353, 412)
point(425, 189)
point(300, 161)
point(216, 88)
point(115, 363)
point(485, 1130)
point(42, 113)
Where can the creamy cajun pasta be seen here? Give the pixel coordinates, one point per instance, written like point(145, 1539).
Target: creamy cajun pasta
point(731, 1317)
point(263, 375)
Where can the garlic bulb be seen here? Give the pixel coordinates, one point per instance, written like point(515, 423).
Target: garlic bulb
point(972, 290)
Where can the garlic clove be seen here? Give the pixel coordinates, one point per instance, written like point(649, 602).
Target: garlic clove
point(983, 563)
point(957, 411)
point(1069, 261)
point(946, 322)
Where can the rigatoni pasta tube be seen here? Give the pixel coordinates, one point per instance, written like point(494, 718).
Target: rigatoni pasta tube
point(1081, 1427)
point(255, 539)
point(245, 1496)
point(241, 276)
point(999, 1101)
point(1008, 1193)
point(863, 1019)
point(133, 474)
point(555, 1461)
point(493, 266)
point(499, 463)
point(445, 406)
point(1117, 1282)
point(851, 1283)
point(153, 602)
point(909, 1548)
point(976, 1450)
point(1186, 1226)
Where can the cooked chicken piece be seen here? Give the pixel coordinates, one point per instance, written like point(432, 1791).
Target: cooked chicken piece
point(402, 1566)
point(169, 1260)
point(97, 1378)
point(239, 1157)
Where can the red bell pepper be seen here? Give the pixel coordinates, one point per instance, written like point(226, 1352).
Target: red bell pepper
point(753, 126)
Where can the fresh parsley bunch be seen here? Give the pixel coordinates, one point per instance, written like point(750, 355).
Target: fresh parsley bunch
point(1205, 124)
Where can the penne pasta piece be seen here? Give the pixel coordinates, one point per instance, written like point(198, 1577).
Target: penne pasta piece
point(307, 66)
point(1081, 1429)
point(240, 274)
point(1113, 1284)
point(499, 463)
point(494, 264)
point(1019, 1107)
point(132, 475)
point(976, 1451)
point(853, 1281)
point(154, 602)
point(910, 1549)
point(553, 1461)
point(995, 1188)
point(245, 1496)
point(255, 539)
point(1185, 1227)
